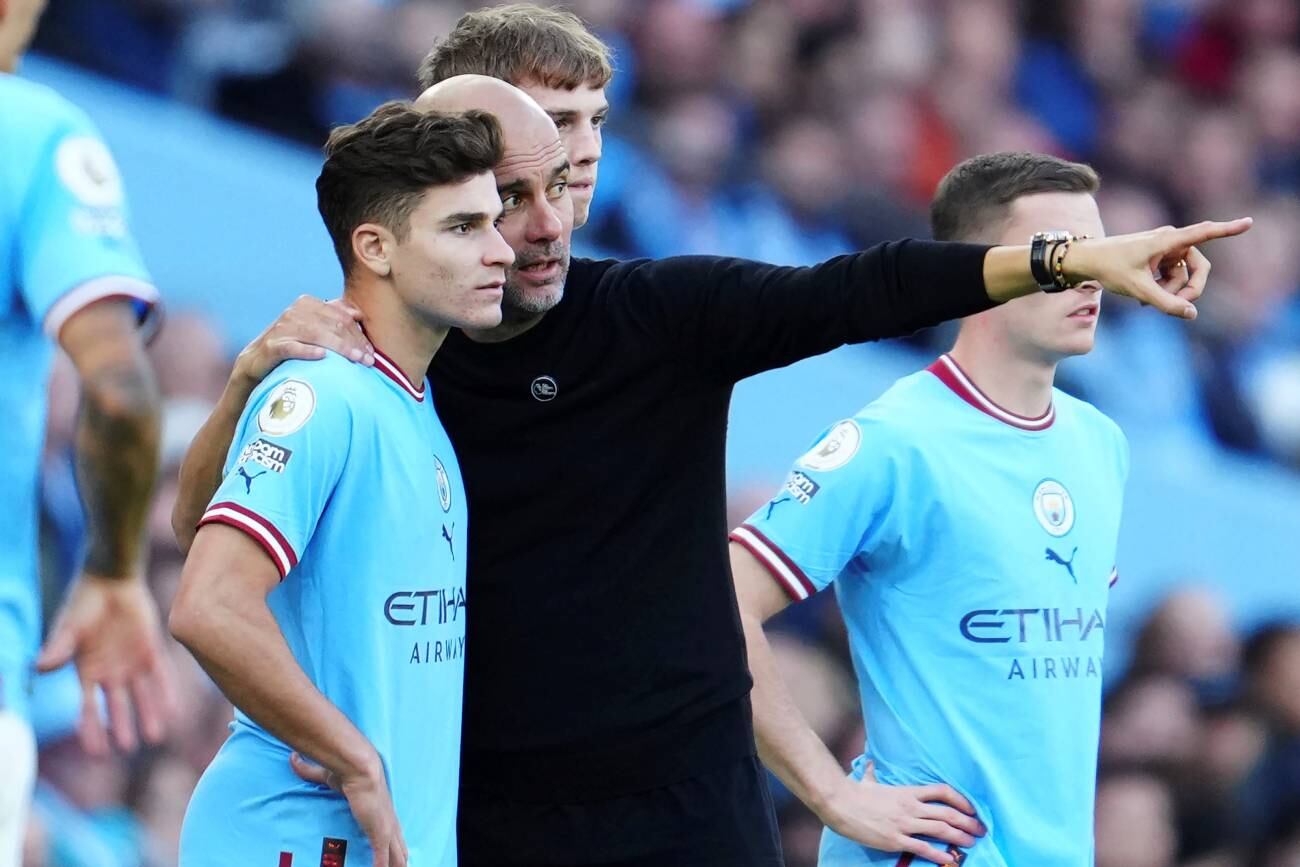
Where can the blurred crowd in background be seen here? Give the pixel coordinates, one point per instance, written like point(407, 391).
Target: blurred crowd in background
point(791, 130)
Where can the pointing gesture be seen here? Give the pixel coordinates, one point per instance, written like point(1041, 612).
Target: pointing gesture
point(1161, 267)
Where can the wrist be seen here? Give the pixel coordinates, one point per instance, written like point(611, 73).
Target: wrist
point(112, 561)
point(1076, 263)
point(360, 763)
point(239, 387)
point(114, 578)
point(824, 797)
point(241, 381)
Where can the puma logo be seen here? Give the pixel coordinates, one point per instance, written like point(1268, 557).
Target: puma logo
point(1068, 564)
point(784, 498)
point(446, 534)
point(248, 480)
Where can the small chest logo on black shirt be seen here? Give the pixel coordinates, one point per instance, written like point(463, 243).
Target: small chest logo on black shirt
point(544, 388)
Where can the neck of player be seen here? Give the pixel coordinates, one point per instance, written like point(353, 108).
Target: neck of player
point(1014, 380)
point(408, 339)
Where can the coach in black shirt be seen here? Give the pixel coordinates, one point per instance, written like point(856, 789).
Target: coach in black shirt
point(607, 717)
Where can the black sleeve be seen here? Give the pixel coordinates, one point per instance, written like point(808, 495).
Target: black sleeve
point(737, 317)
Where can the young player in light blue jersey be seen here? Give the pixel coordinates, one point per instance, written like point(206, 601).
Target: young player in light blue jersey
point(968, 519)
point(70, 275)
point(318, 593)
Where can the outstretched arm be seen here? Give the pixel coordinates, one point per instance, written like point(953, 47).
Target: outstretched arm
point(889, 818)
point(305, 331)
point(734, 317)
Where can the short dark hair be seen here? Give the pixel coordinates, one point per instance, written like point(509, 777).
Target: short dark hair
point(977, 193)
point(377, 169)
point(521, 43)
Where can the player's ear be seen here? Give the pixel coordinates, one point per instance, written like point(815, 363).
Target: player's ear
point(372, 245)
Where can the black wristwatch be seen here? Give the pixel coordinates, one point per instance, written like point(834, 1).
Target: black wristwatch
point(1041, 246)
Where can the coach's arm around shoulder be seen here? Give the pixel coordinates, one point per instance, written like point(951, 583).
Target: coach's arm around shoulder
point(108, 625)
point(221, 616)
point(306, 330)
point(889, 818)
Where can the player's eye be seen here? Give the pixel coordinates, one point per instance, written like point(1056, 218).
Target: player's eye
point(599, 120)
point(557, 189)
point(561, 125)
point(510, 202)
point(463, 228)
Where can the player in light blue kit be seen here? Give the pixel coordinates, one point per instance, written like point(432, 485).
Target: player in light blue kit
point(71, 274)
point(318, 594)
point(968, 519)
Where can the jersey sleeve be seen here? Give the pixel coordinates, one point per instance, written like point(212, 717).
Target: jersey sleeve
point(293, 442)
point(73, 244)
point(836, 505)
point(734, 317)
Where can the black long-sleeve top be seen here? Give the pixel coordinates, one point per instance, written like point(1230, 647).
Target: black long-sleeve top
point(605, 653)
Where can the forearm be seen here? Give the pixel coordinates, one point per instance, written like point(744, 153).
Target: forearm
point(1007, 275)
point(240, 646)
point(117, 439)
point(786, 743)
point(200, 474)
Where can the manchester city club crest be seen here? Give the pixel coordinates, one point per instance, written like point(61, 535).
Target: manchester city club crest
point(444, 484)
point(1053, 507)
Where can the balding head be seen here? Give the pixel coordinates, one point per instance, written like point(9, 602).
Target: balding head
point(532, 178)
point(482, 92)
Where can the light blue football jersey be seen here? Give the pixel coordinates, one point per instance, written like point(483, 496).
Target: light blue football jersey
point(972, 552)
point(63, 244)
point(346, 477)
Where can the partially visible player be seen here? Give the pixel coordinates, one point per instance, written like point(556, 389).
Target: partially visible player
point(71, 275)
point(325, 591)
point(550, 55)
point(968, 519)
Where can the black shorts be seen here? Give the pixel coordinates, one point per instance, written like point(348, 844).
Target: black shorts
point(720, 819)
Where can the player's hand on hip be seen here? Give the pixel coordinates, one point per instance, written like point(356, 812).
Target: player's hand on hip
point(371, 805)
point(109, 627)
point(893, 818)
point(306, 330)
point(1161, 267)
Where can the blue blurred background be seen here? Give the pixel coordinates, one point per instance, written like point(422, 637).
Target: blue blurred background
point(788, 130)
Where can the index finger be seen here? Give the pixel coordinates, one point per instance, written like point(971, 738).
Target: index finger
point(946, 795)
point(1190, 236)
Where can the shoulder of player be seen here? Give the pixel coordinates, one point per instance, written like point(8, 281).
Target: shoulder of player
point(877, 432)
point(905, 411)
point(1067, 405)
point(1099, 427)
point(38, 112)
point(898, 426)
point(337, 386)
